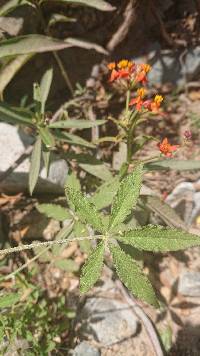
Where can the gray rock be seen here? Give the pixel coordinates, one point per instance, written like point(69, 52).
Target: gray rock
point(11, 25)
point(85, 349)
point(167, 67)
point(108, 320)
point(182, 200)
point(189, 284)
point(196, 209)
point(12, 146)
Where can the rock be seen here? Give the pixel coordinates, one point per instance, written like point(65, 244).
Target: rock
point(12, 146)
point(85, 349)
point(108, 320)
point(189, 284)
point(186, 201)
point(167, 68)
point(11, 25)
point(182, 200)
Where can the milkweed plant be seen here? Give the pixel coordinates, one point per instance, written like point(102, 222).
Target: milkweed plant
point(110, 230)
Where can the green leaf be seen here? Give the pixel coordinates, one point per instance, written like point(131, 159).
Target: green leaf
point(179, 165)
point(9, 300)
point(35, 164)
point(46, 158)
point(35, 43)
point(67, 265)
point(73, 182)
point(105, 193)
point(159, 239)
point(56, 18)
point(78, 124)
point(30, 44)
point(72, 139)
point(80, 230)
point(54, 211)
point(8, 71)
point(45, 86)
point(163, 210)
point(126, 197)
point(14, 115)
point(77, 42)
point(98, 169)
point(46, 137)
point(64, 233)
point(91, 165)
point(97, 4)
point(85, 210)
point(132, 276)
point(167, 338)
point(11, 5)
point(91, 270)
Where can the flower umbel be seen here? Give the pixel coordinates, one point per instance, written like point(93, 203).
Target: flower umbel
point(122, 70)
point(166, 148)
point(154, 105)
point(138, 101)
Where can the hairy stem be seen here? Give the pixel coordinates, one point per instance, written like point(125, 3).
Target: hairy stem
point(46, 243)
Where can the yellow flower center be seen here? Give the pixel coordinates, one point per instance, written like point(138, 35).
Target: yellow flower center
point(158, 99)
point(146, 68)
point(141, 92)
point(111, 65)
point(123, 64)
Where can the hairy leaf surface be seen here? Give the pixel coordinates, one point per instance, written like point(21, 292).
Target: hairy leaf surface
point(91, 270)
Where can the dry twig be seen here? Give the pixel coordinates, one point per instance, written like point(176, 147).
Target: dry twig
point(129, 17)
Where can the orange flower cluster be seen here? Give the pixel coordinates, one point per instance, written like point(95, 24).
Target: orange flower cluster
point(150, 105)
point(166, 148)
point(130, 71)
point(135, 73)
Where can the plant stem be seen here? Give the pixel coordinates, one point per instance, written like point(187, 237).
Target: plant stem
point(46, 243)
point(63, 72)
point(127, 101)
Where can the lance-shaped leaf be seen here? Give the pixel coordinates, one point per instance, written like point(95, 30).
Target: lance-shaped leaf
point(104, 195)
point(45, 86)
point(176, 164)
point(72, 139)
point(85, 210)
point(35, 164)
point(9, 70)
point(46, 137)
point(126, 197)
point(15, 115)
point(39, 43)
point(78, 124)
point(97, 4)
point(91, 270)
point(165, 211)
point(132, 276)
point(11, 5)
point(159, 238)
point(54, 211)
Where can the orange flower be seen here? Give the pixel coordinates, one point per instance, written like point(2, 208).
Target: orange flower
point(138, 101)
point(114, 75)
point(111, 65)
point(166, 148)
point(123, 69)
point(143, 70)
point(154, 105)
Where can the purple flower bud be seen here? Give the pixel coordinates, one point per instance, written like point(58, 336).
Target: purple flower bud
point(187, 134)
